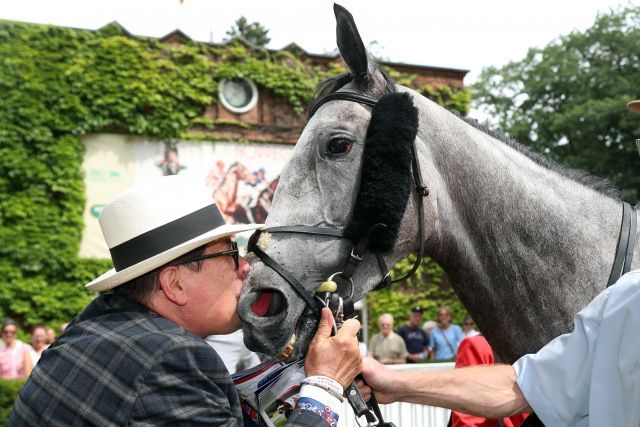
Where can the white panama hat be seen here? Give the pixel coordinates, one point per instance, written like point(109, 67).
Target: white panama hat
point(154, 223)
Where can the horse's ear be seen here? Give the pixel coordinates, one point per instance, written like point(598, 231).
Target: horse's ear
point(350, 44)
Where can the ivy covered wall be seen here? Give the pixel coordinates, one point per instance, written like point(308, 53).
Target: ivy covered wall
point(57, 84)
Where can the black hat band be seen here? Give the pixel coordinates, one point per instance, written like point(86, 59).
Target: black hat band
point(165, 237)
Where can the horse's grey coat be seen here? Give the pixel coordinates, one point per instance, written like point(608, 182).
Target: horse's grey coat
point(525, 246)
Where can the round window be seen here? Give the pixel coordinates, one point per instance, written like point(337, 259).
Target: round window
point(238, 95)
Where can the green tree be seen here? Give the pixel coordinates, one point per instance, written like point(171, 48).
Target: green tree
point(568, 99)
point(254, 33)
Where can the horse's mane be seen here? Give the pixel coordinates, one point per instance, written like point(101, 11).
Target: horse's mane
point(600, 185)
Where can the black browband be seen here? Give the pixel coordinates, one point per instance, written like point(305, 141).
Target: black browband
point(343, 96)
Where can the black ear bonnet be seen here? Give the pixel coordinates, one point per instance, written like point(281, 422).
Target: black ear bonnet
point(385, 181)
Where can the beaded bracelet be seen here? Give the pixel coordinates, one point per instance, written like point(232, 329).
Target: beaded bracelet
point(327, 384)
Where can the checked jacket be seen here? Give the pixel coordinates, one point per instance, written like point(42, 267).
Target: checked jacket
point(120, 364)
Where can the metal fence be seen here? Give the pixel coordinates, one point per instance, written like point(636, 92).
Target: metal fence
point(406, 414)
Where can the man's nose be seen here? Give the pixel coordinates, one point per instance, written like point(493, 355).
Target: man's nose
point(243, 268)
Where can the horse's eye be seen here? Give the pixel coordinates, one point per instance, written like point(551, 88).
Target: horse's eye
point(338, 146)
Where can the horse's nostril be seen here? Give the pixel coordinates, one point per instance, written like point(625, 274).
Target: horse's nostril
point(269, 303)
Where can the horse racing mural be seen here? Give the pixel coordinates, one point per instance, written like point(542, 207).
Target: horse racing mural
point(242, 177)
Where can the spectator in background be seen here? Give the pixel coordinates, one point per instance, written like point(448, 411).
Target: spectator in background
point(387, 347)
point(475, 350)
point(428, 326)
point(51, 336)
point(445, 337)
point(469, 327)
point(416, 339)
point(38, 343)
point(15, 361)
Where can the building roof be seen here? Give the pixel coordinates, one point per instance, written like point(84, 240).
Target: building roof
point(178, 35)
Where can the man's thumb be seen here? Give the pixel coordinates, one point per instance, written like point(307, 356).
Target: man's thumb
point(326, 324)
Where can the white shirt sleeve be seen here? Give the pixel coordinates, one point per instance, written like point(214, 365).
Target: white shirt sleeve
point(556, 381)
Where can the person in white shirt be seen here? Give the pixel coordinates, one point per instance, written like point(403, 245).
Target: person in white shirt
point(38, 343)
point(234, 354)
point(589, 377)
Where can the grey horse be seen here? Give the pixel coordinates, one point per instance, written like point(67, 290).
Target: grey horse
point(526, 243)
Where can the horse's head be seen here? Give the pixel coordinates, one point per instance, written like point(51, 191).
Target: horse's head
point(321, 186)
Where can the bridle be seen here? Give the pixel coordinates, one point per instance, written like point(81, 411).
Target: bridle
point(344, 278)
point(340, 300)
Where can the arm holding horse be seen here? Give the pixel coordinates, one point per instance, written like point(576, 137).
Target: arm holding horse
point(487, 391)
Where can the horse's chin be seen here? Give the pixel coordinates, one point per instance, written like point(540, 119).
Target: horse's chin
point(270, 328)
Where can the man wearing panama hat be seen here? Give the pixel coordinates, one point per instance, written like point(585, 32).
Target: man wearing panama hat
point(136, 354)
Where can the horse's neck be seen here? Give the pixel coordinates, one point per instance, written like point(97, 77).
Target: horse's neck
point(525, 247)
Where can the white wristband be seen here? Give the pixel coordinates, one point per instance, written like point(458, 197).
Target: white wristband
point(329, 384)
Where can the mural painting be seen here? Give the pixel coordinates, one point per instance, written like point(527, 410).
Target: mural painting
point(242, 176)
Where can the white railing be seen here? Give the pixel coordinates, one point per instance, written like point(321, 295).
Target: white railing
point(406, 414)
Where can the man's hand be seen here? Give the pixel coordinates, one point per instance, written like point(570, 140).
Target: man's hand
point(378, 378)
point(336, 357)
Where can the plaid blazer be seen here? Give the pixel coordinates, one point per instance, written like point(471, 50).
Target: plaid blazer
point(119, 364)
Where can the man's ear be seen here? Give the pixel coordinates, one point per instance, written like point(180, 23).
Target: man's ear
point(172, 285)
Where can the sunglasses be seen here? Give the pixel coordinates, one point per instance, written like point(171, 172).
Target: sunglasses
point(9, 332)
point(233, 252)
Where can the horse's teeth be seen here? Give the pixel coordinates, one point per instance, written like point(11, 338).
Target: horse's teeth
point(288, 349)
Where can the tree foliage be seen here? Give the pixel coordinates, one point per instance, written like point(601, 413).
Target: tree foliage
point(568, 99)
point(255, 33)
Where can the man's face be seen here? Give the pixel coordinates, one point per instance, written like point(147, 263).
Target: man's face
point(444, 317)
point(38, 338)
point(415, 318)
point(386, 325)
point(213, 293)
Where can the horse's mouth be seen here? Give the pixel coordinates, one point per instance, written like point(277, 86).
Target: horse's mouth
point(269, 309)
point(269, 303)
